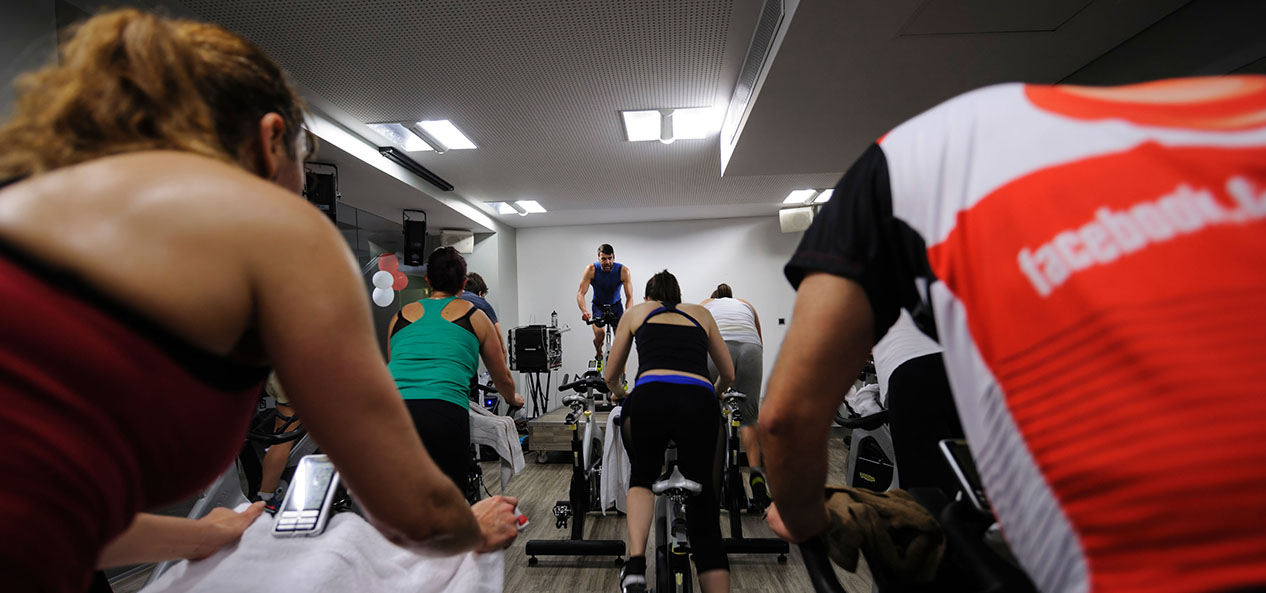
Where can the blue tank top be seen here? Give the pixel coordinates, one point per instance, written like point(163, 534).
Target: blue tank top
point(606, 285)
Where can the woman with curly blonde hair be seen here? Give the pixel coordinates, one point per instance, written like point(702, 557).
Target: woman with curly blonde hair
point(155, 262)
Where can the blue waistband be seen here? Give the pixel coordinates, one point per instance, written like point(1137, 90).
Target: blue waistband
point(678, 379)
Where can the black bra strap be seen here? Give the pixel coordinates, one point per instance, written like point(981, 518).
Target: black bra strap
point(672, 310)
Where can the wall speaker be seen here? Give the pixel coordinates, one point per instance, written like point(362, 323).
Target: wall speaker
point(320, 186)
point(414, 242)
point(795, 220)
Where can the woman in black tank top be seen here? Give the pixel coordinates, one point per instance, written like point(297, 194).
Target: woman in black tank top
point(672, 400)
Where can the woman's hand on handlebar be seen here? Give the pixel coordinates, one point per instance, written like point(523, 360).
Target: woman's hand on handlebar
point(517, 401)
point(497, 525)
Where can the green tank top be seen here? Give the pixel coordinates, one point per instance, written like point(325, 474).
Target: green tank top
point(434, 358)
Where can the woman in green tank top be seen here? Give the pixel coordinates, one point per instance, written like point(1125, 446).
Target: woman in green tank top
point(434, 350)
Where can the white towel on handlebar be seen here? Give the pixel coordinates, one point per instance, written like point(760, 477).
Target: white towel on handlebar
point(351, 555)
point(614, 488)
point(865, 401)
point(499, 433)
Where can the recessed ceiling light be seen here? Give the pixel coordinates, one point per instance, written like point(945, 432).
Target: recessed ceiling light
point(695, 123)
point(501, 207)
point(799, 196)
point(640, 126)
point(686, 124)
point(530, 206)
point(447, 134)
point(823, 197)
point(401, 136)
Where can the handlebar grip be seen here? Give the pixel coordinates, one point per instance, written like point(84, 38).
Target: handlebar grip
point(818, 563)
point(269, 438)
point(870, 422)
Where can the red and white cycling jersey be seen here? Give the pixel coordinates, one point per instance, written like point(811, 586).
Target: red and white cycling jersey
point(1095, 263)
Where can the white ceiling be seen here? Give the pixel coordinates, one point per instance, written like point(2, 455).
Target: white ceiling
point(538, 84)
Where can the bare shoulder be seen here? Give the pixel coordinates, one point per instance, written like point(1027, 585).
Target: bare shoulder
point(699, 312)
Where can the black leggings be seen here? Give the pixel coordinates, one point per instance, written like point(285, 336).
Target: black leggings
point(445, 431)
point(690, 416)
point(920, 413)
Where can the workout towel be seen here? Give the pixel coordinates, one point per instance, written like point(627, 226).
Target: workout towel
point(614, 488)
point(889, 526)
point(350, 556)
point(499, 433)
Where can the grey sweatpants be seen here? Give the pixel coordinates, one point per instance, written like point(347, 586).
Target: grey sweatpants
point(749, 368)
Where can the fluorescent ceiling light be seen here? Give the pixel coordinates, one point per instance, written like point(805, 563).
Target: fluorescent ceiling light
point(530, 206)
point(501, 207)
point(447, 134)
point(641, 126)
point(823, 197)
point(695, 123)
point(401, 136)
point(687, 124)
point(799, 196)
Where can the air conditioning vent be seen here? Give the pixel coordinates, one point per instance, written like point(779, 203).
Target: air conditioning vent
point(461, 240)
point(766, 29)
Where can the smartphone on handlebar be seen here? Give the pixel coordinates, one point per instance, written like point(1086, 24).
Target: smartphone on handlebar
point(306, 508)
point(964, 465)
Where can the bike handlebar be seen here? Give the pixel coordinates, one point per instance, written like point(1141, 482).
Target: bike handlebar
point(594, 382)
point(486, 389)
point(818, 563)
point(870, 422)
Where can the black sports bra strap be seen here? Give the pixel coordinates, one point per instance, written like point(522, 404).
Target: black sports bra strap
point(672, 310)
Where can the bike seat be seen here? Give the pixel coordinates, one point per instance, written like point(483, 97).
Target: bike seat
point(574, 400)
point(676, 481)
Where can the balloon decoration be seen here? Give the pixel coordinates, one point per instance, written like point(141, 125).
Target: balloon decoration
point(387, 262)
point(388, 278)
point(383, 279)
point(383, 297)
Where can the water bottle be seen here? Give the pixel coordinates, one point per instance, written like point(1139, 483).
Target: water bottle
point(553, 319)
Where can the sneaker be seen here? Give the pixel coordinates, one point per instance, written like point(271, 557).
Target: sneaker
point(271, 505)
point(633, 575)
point(760, 495)
point(632, 583)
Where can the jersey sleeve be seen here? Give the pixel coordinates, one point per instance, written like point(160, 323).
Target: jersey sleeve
point(855, 236)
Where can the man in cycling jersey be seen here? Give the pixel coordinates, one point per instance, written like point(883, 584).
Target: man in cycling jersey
point(1092, 261)
point(607, 277)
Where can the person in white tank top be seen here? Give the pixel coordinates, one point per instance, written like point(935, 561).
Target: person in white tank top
point(740, 328)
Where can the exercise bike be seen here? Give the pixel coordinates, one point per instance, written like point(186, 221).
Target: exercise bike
point(607, 319)
point(586, 478)
point(672, 546)
point(871, 454)
point(733, 497)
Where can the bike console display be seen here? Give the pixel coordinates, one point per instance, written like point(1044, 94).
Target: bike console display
point(535, 349)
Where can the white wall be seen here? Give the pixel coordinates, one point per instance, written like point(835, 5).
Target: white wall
point(746, 253)
point(494, 259)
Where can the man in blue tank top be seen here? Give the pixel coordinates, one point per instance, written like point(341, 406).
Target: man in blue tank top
point(606, 276)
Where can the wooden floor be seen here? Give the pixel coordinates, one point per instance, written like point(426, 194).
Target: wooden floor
point(540, 485)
